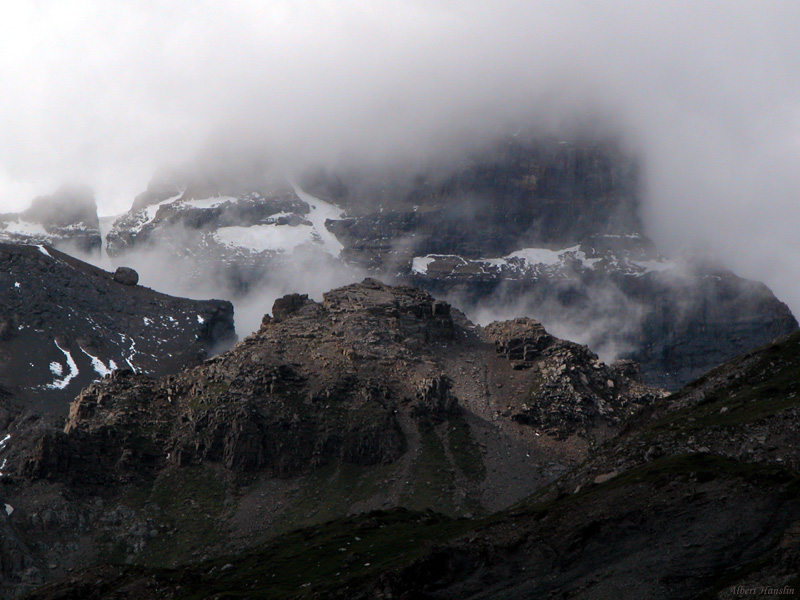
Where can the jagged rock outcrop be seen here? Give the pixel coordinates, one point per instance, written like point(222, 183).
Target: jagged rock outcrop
point(67, 220)
point(322, 382)
point(64, 324)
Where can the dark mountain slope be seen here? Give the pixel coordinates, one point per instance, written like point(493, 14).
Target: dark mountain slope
point(64, 324)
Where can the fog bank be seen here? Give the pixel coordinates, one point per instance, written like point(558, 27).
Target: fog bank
point(707, 93)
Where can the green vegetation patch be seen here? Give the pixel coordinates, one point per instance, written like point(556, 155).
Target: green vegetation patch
point(343, 552)
point(432, 477)
point(329, 491)
point(190, 502)
point(465, 450)
point(768, 386)
point(660, 472)
point(306, 563)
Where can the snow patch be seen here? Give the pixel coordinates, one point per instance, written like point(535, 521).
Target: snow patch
point(4, 441)
point(540, 256)
point(653, 266)
point(56, 368)
point(99, 366)
point(265, 238)
point(60, 384)
point(420, 263)
point(25, 228)
point(208, 202)
point(16, 284)
point(9, 509)
point(44, 251)
point(200, 319)
point(523, 260)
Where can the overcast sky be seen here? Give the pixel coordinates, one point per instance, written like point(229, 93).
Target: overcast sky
point(707, 92)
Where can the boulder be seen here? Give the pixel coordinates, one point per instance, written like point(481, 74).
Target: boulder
point(126, 276)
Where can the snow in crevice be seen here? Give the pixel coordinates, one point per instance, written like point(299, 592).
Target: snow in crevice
point(60, 384)
point(132, 352)
point(99, 366)
point(4, 441)
point(44, 251)
point(321, 211)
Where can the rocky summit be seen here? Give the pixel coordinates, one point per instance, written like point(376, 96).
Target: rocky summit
point(376, 397)
point(65, 323)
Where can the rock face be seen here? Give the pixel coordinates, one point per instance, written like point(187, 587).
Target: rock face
point(377, 396)
point(65, 324)
point(520, 227)
point(552, 231)
point(67, 220)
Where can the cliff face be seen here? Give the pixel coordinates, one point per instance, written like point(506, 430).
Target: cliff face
point(377, 396)
point(64, 324)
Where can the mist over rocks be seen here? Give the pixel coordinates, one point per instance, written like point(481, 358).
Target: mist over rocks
point(524, 225)
point(66, 219)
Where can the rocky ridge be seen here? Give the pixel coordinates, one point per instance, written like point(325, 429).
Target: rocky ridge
point(376, 397)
